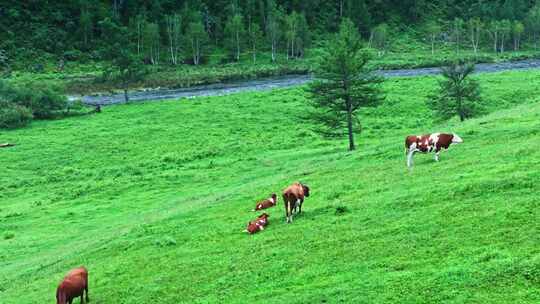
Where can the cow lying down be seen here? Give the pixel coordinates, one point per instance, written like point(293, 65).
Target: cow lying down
point(434, 142)
point(267, 203)
point(258, 224)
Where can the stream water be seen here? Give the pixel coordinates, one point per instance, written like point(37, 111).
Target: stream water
point(280, 82)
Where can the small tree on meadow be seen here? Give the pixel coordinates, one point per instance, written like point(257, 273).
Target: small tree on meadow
point(344, 84)
point(458, 94)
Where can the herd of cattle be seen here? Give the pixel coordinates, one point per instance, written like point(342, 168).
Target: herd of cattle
point(75, 283)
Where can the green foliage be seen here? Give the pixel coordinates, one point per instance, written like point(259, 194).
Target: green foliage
point(197, 38)
point(125, 66)
point(41, 98)
point(235, 35)
point(458, 94)
point(255, 39)
point(344, 84)
point(13, 115)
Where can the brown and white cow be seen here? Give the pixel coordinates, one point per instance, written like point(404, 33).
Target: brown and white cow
point(293, 197)
point(258, 224)
point(74, 285)
point(434, 142)
point(267, 203)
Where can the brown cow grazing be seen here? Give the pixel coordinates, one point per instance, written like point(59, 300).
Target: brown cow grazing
point(258, 224)
point(293, 197)
point(429, 143)
point(267, 203)
point(74, 285)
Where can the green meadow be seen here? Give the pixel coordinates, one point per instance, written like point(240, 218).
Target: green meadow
point(152, 198)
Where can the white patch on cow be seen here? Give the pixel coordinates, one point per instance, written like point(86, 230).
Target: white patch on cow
point(456, 139)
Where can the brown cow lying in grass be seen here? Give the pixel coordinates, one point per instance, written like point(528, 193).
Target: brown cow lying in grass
point(258, 224)
point(293, 197)
point(267, 203)
point(75, 284)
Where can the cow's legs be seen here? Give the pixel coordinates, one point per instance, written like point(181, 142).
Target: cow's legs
point(289, 212)
point(296, 205)
point(86, 289)
point(437, 156)
point(410, 158)
point(300, 206)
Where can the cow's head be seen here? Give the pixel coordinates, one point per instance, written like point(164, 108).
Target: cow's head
point(274, 197)
point(456, 139)
point(306, 190)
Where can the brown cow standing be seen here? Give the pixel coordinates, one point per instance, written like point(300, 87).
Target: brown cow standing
point(293, 197)
point(258, 224)
point(429, 143)
point(267, 203)
point(75, 284)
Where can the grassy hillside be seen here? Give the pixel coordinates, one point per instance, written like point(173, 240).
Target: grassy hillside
point(153, 197)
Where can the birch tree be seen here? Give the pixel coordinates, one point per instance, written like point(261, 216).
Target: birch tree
point(457, 28)
point(433, 30)
point(234, 31)
point(517, 30)
point(533, 23)
point(152, 38)
point(475, 26)
point(174, 34)
point(273, 26)
point(505, 30)
point(255, 38)
point(494, 31)
point(379, 38)
point(197, 38)
point(85, 23)
point(291, 31)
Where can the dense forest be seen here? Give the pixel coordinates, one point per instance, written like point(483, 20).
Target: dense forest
point(175, 32)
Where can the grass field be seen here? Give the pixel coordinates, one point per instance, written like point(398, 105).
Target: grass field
point(152, 198)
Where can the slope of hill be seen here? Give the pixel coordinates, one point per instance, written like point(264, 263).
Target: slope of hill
point(153, 197)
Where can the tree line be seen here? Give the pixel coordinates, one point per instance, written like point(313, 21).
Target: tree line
point(175, 32)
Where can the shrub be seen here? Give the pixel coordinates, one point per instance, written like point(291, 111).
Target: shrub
point(42, 99)
point(13, 115)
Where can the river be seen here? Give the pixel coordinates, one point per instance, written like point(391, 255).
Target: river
point(280, 82)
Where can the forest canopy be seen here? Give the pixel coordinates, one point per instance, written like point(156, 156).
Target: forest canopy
point(173, 32)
